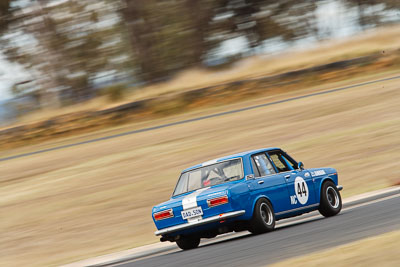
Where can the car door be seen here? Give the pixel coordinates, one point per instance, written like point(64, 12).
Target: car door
point(269, 183)
point(300, 184)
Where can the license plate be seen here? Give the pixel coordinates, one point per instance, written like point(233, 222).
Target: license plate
point(195, 212)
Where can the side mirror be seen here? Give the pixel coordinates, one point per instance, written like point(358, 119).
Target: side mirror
point(300, 165)
point(250, 177)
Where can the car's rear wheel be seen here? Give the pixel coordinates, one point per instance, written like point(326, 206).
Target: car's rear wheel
point(331, 201)
point(186, 242)
point(263, 217)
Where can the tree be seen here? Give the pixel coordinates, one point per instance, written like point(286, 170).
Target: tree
point(372, 19)
point(165, 36)
point(171, 35)
point(5, 11)
point(260, 20)
point(66, 45)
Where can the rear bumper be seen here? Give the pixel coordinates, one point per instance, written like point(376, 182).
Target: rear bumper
point(339, 187)
point(185, 226)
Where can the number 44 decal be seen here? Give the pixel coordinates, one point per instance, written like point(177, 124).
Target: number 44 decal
point(301, 190)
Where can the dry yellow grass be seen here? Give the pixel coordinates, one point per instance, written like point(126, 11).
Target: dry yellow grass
point(93, 199)
point(367, 43)
point(381, 250)
point(375, 41)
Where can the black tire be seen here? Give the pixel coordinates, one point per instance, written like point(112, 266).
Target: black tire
point(263, 217)
point(331, 201)
point(186, 243)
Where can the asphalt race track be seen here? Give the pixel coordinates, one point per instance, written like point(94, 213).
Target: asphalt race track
point(299, 238)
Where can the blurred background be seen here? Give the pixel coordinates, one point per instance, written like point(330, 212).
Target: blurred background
point(59, 53)
point(75, 71)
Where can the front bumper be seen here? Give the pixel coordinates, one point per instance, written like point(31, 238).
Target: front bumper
point(185, 226)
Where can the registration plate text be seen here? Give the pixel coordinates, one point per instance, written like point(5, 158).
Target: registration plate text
point(195, 212)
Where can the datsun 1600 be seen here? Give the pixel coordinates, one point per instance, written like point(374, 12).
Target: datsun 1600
point(246, 191)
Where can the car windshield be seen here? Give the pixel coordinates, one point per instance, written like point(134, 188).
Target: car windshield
point(218, 173)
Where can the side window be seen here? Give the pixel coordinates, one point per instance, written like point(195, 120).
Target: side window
point(255, 169)
point(263, 165)
point(281, 163)
point(292, 164)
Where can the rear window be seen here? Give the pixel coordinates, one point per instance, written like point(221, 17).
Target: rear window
point(217, 173)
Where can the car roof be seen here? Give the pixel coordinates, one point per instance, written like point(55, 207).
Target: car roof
point(237, 155)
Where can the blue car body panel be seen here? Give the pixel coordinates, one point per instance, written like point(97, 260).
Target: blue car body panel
point(290, 193)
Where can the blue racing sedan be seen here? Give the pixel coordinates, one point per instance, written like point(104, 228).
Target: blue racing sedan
point(246, 191)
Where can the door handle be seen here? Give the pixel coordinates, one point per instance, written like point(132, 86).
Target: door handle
point(287, 176)
point(260, 182)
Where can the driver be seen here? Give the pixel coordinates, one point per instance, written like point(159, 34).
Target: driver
point(213, 177)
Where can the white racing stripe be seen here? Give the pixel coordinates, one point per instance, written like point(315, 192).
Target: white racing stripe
point(190, 201)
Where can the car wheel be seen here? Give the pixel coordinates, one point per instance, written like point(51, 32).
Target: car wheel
point(188, 242)
point(263, 217)
point(331, 202)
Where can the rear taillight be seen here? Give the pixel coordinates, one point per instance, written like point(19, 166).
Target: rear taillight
point(165, 214)
point(217, 201)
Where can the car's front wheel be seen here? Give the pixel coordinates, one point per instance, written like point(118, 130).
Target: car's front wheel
point(331, 202)
point(188, 242)
point(263, 218)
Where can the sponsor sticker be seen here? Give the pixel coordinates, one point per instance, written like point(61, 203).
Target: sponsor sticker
point(318, 173)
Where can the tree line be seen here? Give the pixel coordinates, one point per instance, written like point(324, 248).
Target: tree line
point(69, 46)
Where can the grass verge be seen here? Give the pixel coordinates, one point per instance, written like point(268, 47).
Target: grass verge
point(380, 250)
point(93, 199)
point(247, 79)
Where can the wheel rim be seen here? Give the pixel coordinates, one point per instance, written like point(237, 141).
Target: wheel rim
point(266, 214)
point(332, 197)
